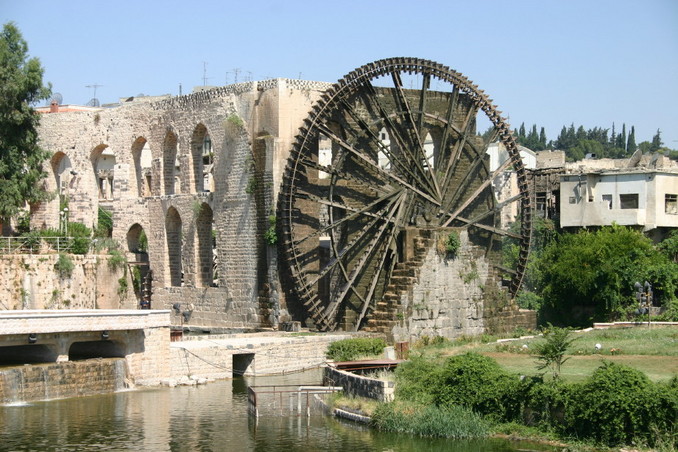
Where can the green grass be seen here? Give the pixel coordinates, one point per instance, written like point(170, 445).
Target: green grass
point(650, 350)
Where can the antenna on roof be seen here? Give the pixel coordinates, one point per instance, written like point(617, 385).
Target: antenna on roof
point(204, 73)
point(94, 86)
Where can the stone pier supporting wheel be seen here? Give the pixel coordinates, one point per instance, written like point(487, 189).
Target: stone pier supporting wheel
point(396, 143)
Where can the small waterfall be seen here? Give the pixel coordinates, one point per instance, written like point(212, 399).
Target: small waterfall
point(60, 380)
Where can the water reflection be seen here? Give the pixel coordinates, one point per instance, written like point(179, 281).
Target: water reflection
point(204, 418)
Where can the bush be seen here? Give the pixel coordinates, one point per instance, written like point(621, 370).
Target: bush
point(64, 266)
point(351, 349)
point(418, 380)
point(104, 224)
point(431, 421)
point(116, 260)
point(81, 238)
point(620, 405)
point(479, 383)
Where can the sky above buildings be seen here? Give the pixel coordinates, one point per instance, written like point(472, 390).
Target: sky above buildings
point(544, 62)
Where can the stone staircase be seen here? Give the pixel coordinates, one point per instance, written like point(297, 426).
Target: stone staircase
point(405, 274)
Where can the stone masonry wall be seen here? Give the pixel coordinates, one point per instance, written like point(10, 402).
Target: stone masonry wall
point(358, 385)
point(172, 131)
point(212, 357)
point(31, 281)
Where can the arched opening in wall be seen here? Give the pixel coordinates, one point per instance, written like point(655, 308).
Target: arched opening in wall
point(173, 234)
point(103, 163)
point(142, 158)
point(170, 166)
point(202, 158)
point(95, 349)
point(17, 355)
point(205, 253)
point(65, 182)
point(137, 243)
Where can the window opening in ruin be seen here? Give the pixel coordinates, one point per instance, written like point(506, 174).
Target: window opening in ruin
point(608, 199)
point(324, 154)
point(142, 158)
point(628, 201)
point(205, 251)
point(169, 152)
point(671, 203)
point(382, 158)
point(173, 236)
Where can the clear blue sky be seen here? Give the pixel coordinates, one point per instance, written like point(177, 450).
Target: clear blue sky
point(589, 62)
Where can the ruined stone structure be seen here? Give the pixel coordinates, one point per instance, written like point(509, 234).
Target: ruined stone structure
point(192, 183)
point(196, 176)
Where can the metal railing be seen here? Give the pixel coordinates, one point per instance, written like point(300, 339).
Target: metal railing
point(287, 399)
point(35, 245)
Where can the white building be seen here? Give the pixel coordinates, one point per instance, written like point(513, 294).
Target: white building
point(631, 197)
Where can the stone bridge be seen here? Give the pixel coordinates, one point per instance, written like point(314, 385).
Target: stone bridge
point(140, 336)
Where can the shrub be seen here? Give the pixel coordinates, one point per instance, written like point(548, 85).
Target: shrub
point(351, 349)
point(81, 237)
point(551, 352)
point(431, 421)
point(271, 236)
point(64, 266)
point(104, 223)
point(479, 383)
point(620, 405)
point(115, 259)
point(418, 380)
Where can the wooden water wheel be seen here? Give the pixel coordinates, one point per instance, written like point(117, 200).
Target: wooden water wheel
point(394, 144)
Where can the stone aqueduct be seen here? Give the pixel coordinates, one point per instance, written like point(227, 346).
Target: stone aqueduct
point(183, 171)
point(199, 175)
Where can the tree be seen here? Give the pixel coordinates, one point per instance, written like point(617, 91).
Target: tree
point(20, 156)
point(589, 276)
point(551, 352)
point(656, 141)
point(631, 144)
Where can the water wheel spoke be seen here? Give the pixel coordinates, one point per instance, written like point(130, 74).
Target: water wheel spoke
point(378, 217)
point(457, 148)
point(333, 171)
point(414, 129)
point(477, 192)
point(356, 271)
point(375, 167)
point(393, 158)
point(421, 175)
point(375, 278)
point(350, 217)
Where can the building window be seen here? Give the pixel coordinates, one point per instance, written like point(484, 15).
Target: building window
point(573, 200)
point(608, 200)
point(628, 201)
point(671, 204)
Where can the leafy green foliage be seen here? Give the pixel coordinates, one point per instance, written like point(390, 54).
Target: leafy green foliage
point(478, 382)
point(551, 352)
point(452, 243)
point(116, 259)
point(430, 421)
point(418, 379)
point(64, 265)
point(351, 349)
point(619, 405)
point(104, 224)
point(20, 155)
point(589, 276)
point(81, 238)
point(271, 236)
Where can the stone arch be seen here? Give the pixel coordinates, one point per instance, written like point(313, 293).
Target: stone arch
point(173, 237)
point(136, 243)
point(201, 157)
point(64, 175)
point(205, 253)
point(169, 162)
point(142, 161)
point(103, 164)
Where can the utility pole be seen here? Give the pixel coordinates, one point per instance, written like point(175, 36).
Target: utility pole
point(236, 71)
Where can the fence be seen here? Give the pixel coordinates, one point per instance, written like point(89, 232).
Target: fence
point(35, 245)
point(288, 399)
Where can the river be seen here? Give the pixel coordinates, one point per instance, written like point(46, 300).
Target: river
point(210, 417)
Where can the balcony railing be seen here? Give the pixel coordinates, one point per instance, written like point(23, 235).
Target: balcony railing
point(35, 245)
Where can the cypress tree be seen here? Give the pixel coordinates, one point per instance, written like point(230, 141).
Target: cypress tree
point(631, 143)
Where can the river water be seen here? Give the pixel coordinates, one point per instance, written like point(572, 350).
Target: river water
point(212, 417)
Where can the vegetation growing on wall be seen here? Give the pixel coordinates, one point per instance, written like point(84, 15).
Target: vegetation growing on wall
point(64, 265)
point(351, 349)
